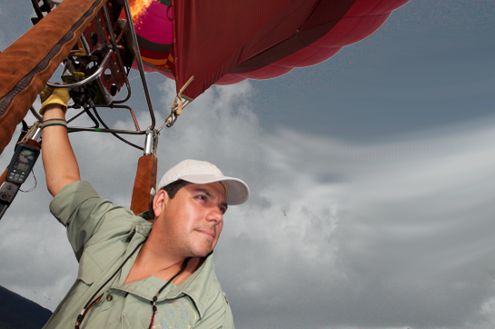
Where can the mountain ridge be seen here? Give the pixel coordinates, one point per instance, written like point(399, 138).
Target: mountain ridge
point(17, 312)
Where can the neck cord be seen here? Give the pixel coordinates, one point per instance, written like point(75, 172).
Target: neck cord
point(155, 297)
point(93, 301)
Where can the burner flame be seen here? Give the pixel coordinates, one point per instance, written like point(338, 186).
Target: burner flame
point(138, 9)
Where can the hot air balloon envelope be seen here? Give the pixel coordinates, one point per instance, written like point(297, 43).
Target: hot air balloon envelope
point(226, 41)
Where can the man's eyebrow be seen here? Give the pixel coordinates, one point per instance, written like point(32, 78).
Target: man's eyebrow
point(205, 191)
point(200, 189)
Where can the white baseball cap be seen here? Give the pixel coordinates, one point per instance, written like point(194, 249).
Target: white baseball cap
point(203, 172)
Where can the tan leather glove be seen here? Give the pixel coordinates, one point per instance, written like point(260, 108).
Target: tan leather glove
point(52, 96)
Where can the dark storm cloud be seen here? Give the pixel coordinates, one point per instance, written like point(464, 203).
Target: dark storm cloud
point(401, 238)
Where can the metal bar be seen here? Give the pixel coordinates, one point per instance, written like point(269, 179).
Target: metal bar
point(112, 37)
point(85, 45)
point(127, 84)
point(110, 28)
point(115, 134)
point(131, 111)
point(37, 9)
point(105, 130)
point(37, 134)
point(128, 96)
point(47, 5)
point(92, 77)
point(139, 62)
point(149, 142)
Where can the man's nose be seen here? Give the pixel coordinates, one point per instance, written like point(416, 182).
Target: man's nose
point(215, 214)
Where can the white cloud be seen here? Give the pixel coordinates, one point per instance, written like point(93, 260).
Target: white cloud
point(487, 315)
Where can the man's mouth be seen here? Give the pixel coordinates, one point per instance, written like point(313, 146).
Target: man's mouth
point(209, 232)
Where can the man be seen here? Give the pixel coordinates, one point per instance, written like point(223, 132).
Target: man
point(133, 273)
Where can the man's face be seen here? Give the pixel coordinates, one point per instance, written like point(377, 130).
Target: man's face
point(192, 221)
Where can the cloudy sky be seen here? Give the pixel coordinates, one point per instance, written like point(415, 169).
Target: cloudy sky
point(372, 180)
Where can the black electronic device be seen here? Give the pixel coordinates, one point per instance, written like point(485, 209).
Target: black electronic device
point(20, 166)
point(22, 163)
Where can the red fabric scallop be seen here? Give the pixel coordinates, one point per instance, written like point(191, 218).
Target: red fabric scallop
point(229, 79)
point(311, 55)
point(267, 72)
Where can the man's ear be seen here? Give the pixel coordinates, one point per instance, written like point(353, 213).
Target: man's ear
point(160, 201)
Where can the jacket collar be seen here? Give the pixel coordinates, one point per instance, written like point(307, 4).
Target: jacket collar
point(201, 287)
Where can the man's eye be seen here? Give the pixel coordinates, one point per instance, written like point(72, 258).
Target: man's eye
point(202, 197)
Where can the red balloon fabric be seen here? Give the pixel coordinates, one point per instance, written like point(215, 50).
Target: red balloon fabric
point(227, 41)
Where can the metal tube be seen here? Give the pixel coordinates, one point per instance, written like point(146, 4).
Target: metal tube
point(109, 28)
point(139, 62)
point(37, 135)
point(92, 77)
point(112, 36)
point(126, 98)
point(85, 44)
point(131, 111)
point(149, 142)
point(105, 130)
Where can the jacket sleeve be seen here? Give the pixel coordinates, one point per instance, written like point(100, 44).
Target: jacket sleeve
point(79, 208)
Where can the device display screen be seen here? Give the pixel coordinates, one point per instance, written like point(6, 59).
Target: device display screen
point(21, 164)
point(26, 157)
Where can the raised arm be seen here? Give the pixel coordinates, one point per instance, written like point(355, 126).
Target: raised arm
point(59, 160)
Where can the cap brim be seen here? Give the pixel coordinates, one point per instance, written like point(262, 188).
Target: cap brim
point(237, 190)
